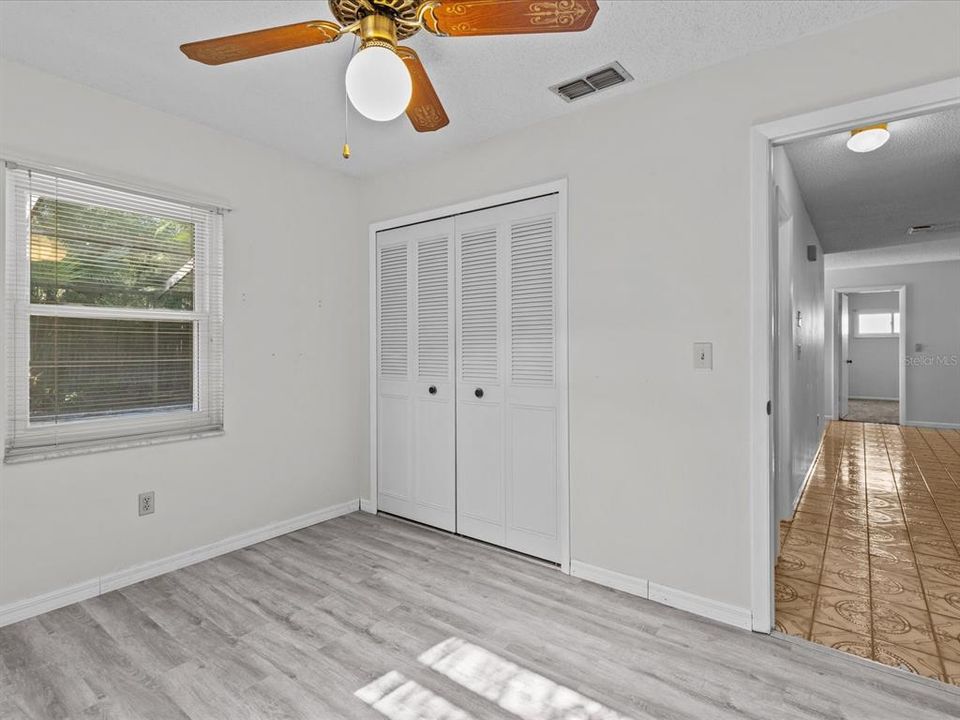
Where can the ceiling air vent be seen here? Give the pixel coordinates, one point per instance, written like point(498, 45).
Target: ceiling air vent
point(594, 81)
point(573, 90)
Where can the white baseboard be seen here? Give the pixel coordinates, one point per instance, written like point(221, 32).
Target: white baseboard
point(868, 397)
point(922, 424)
point(803, 486)
point(39, 604)
point(609, 578)
point(705, 607)
point(368, 506)
point(680, 599)
point(813, 466)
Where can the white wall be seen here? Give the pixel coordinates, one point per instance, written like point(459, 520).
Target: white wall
point(875, 373)
point(294, 303)
point(659, 259)
point(933, 321)
point(801, 345)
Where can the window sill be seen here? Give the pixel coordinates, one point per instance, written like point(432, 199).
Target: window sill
point(14, 456)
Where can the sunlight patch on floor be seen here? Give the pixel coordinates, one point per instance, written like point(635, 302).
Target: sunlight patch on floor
point(398, 698)
point(515, 689)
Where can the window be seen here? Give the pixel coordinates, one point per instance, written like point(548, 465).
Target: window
point(113, 303)
point(878, 324)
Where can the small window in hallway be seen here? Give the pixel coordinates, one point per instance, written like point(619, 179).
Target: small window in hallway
point(878, 324)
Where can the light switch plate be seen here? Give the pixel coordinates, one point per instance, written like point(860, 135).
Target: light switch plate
point(703, 356)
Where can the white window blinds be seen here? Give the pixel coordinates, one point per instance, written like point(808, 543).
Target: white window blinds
point(114, 319)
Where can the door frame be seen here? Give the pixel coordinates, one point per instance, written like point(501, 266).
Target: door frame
point(554, 187)
point(901, 290)
point(919, 100)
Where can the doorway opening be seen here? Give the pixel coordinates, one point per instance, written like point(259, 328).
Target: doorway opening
point(856, 490)
point(870, 354)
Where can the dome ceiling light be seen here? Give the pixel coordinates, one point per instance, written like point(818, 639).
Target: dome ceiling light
point(869, 138)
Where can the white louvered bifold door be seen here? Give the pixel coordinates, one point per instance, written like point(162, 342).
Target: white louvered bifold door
point(416, 427)
point(508, 398)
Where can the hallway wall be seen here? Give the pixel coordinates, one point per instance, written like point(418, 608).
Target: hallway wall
point(932, 323)
point(801, 341)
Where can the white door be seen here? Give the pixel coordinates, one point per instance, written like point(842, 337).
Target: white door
point(509, 399)
point(416, 462)
point(845, 361)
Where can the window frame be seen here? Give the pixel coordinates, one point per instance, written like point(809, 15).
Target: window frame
point(892, 314)
point(26, 439)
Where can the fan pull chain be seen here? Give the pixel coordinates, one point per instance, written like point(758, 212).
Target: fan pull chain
point(346, 110)
point(346, 144)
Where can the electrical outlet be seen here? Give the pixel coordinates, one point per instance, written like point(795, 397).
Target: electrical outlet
point(146, 503)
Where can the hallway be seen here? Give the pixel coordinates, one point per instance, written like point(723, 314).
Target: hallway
point(870, 562)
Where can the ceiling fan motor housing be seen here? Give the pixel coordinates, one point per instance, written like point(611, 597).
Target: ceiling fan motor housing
point(378, 31)
point(348, 12)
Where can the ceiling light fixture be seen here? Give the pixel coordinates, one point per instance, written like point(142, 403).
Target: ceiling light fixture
point(378, 83)
point(869, 138)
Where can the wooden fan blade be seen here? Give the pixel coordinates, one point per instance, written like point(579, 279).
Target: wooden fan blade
point(261, 42)
point(425, 111)
point(509, 17)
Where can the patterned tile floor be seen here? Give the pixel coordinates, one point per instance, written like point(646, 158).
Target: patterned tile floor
point(870, 562)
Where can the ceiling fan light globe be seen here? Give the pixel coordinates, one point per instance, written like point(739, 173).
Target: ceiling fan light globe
point(378, 84)
point(868, 140)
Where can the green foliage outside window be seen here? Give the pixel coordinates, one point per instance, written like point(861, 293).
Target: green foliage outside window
point(90, 255)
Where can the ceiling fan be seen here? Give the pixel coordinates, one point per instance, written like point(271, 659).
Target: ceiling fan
point(385, 79)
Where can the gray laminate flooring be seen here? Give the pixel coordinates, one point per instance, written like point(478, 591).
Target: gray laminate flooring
point(875, 411)
point(370, 617)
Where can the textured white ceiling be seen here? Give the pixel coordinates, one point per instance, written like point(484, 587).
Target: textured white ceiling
point(294, 101)
point(869, 200)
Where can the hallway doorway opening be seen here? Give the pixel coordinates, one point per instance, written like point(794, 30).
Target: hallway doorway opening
point(869, 353)
point(863, 494)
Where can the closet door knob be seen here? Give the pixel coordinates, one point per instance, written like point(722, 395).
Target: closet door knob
point(432, 390)
point(478, 392)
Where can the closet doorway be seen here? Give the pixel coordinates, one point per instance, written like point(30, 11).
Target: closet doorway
point(469, 421)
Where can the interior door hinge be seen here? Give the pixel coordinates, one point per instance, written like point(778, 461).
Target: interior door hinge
point(769, 407)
